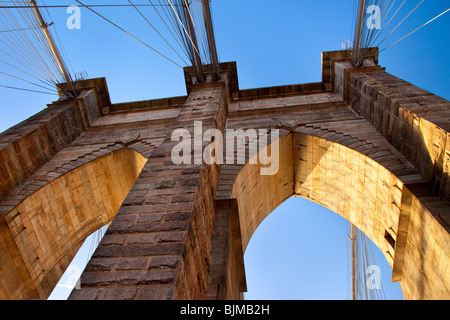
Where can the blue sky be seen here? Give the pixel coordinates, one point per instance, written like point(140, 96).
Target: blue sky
point(301, 252)
point(274, 43)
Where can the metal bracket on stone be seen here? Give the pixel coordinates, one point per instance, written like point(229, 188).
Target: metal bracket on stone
point(129, 138)
point(289, 125)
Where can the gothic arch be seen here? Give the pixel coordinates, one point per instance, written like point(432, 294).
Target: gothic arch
point(40, 235)
point(360, 190)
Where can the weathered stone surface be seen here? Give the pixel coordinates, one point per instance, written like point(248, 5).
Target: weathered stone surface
point(367, 145)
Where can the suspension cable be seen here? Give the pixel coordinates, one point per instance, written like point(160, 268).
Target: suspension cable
point(401, 22)
point(29, 90)
point(151, 25)
point(416, 29)
point(126, 32)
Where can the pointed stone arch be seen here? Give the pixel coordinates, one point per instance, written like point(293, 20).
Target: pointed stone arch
point(360, 190)
point(43, 231)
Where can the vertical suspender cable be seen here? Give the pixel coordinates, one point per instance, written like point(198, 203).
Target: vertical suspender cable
point(53, 47)
point(211, 39)
point(193, 37)
point(356, 58)
point(353, 253)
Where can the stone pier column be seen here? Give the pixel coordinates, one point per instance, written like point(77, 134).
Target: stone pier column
point(226, 278)
point(417, 123)
point(158, 245)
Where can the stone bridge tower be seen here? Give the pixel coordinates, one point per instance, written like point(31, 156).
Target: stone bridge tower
point(363, 143)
